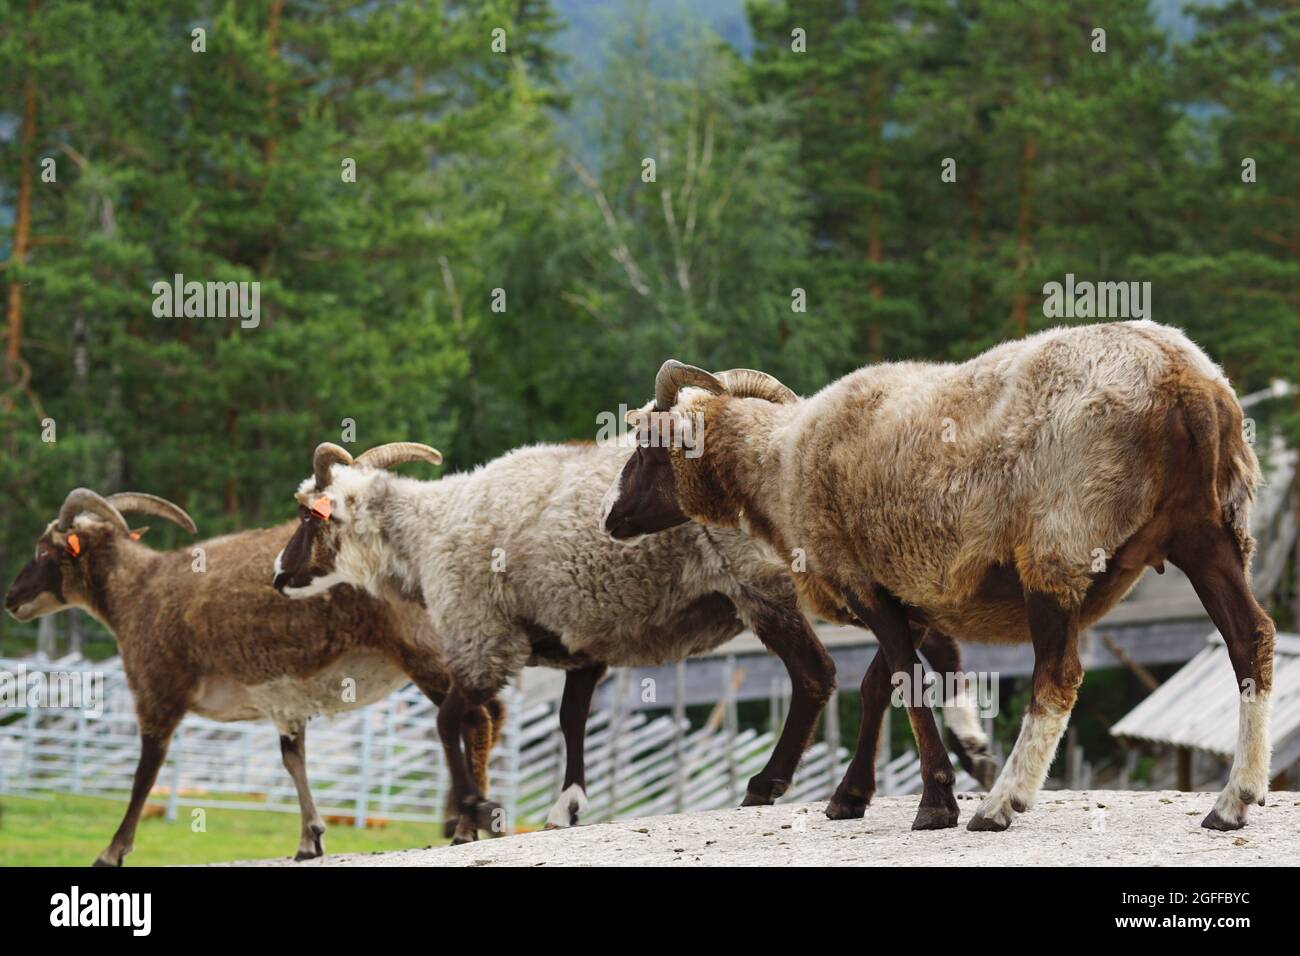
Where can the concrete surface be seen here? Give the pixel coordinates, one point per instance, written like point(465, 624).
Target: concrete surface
point(1090, 828)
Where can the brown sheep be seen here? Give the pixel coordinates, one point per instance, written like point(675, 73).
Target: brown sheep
point(221, 643)
point(1015, 497)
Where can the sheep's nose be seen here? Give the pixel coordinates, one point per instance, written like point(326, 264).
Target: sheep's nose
point(280, 581)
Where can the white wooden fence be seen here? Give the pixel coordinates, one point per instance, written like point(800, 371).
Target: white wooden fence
point(385, 761)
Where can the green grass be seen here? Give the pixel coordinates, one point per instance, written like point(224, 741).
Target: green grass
point(64, 830)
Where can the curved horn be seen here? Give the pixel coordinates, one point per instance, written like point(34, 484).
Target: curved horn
point(327, 454)
point(152, 505)
point(674, 376)
point(83, 499)
point(748, 383)
point(398, 452)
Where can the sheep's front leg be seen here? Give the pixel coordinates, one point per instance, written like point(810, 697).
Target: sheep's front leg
point(153, 751)
point(476, 812)
point(293, 751)
point(888, 621)
point(787, 634)
point(1057, 675)
point(575, 707)
point(858, 785)
point(961, 716)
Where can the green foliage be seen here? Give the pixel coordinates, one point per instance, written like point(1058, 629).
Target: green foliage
point(817, 171)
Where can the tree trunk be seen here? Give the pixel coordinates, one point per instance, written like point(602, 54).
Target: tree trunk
point(875, 253)
point(22, 218)
point(975, 205)
point(1024, 219)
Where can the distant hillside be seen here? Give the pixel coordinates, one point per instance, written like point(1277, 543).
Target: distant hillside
point(588, 20)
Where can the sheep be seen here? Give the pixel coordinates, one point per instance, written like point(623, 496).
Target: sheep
point(512, 568)
point(221, 643)
point(1014, 497)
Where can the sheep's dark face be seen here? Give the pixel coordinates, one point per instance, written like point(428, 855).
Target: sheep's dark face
point(55, 578)
point(643, 498)
point(307, 565)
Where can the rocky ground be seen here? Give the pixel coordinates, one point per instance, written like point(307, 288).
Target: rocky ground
point(1090, 828)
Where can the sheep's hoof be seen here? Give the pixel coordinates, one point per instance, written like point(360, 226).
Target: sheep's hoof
point(846, 808)
point(463, 838)
point(935, 818)
point(763, 792)
point(994, 824)
point(302, 855)
point(985, 770)
point(489, 816)
point(1215, 822)
point(100, 861)
point(448, 829)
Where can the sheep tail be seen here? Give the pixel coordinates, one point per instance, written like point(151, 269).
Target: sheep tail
point(1229, 468)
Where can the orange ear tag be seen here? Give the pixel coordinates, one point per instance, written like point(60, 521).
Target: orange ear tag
point(135, 535)
point(74, 545)
point(321, 508)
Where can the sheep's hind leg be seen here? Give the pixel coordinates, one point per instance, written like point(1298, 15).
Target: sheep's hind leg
point(293, 751)
point(575, 707)
point(893, 632)
point(1057, 674)
point(476, 811)
point(1212, 562)
point(786, 632)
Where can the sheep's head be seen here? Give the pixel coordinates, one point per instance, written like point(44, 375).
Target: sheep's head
point(332, 508)
point(669, 479)
point(84, 536)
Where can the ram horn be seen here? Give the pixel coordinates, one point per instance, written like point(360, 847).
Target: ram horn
point(674, 376)
point(748, 383)
point(397, 453)
point(83, 499)
point(327, 454)
point(138, 501)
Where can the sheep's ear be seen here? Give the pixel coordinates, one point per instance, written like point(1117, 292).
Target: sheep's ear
point(138, 533)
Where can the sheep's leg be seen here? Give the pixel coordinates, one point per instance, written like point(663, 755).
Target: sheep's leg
point(894, 634)
point(960, 715)
point(451, 812)
point(293, 751)
point(1212, 562)
point(858, 784)
point(1057, 674)
point(787, 634)
point(476, 812)
point(575, 706)
point(478, 743)
point(479, 732)
point(153, 751)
